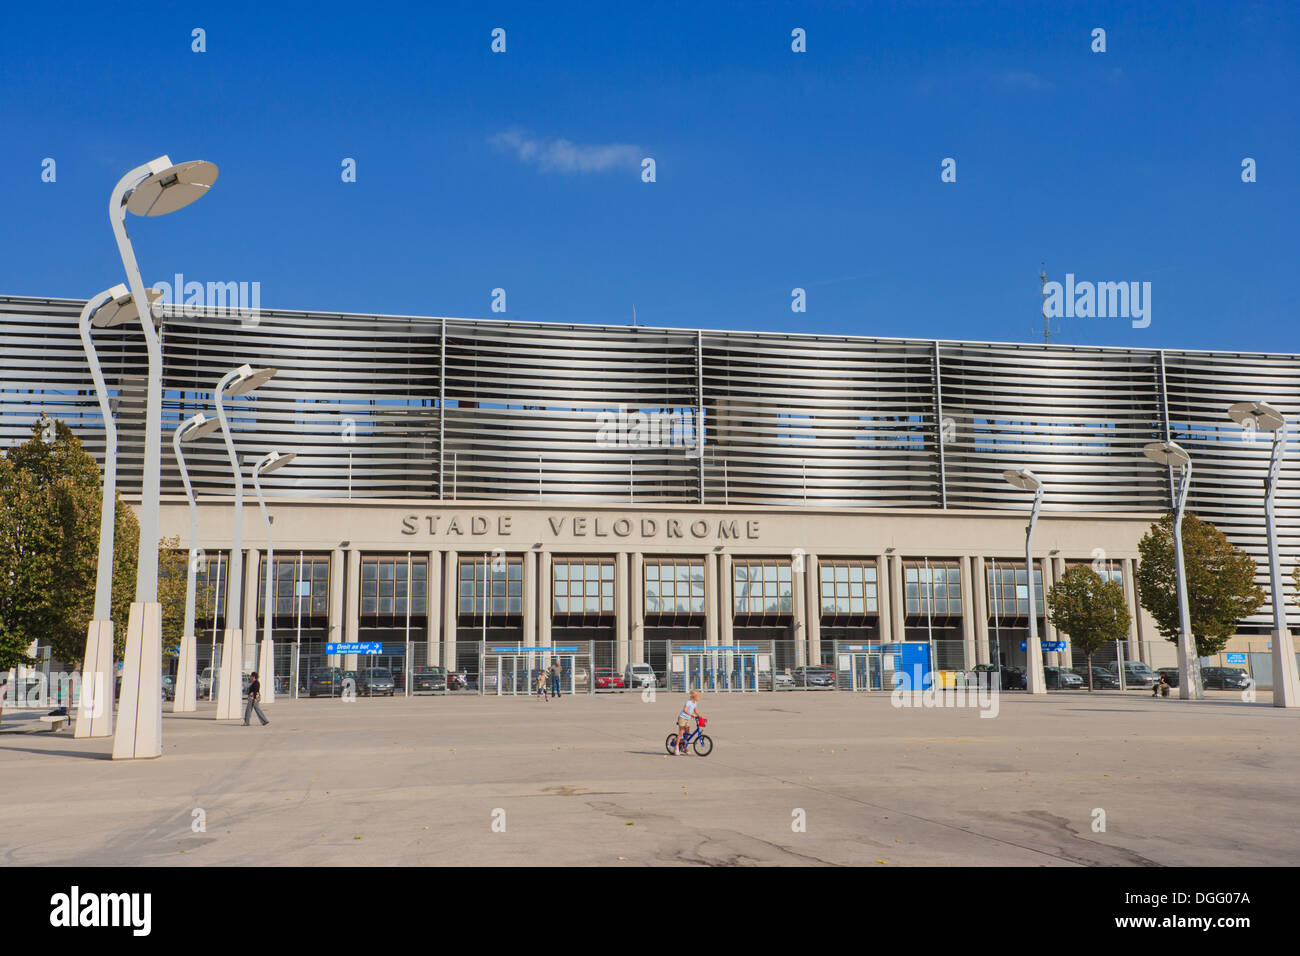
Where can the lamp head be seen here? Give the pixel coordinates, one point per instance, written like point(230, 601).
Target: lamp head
point(121, 309)
point(274, 462)
point(1167, 453)
point(1022, 478)
point(1256, 415)
point(249, 378)
point(170, 187)
point(198, 426)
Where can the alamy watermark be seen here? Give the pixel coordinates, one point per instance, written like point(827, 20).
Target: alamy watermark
point(624, 429)
point(1101, 300)
point(193, 299)
point(981, 693)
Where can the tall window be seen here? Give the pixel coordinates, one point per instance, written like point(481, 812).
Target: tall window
point(762, 587)
point(1110, 571)
point(583, 585)
point(499, 582)
point(393, 586)
point(674, 585)
point(1009, 589)
point(848, 588)
point(300, 588)
point(932, 588)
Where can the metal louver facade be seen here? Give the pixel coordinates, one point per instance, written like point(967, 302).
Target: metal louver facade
point(436, 409)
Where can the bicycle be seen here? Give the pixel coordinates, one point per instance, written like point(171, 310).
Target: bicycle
point(700, 742)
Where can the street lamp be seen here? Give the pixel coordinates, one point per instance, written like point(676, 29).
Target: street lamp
point(195, 427)
point(1026, 480)
point(237, 382)
point(1286, 682)
point(1171, 455)
point(154, 189)
point(105, 310)
point(266, 660)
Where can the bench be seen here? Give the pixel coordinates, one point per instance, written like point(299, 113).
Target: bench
point(55, 720)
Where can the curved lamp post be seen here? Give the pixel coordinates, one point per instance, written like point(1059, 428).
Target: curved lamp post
point(1171, 455)
point(1026, 480)
point(1286, 682)
point(237, 382)
point(266, 659)
point(154, 189)
point(194, 427)
point(108, 309)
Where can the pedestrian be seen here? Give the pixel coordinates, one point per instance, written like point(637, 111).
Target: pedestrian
point(254, 696)
point(555, 677)
point(541, 684)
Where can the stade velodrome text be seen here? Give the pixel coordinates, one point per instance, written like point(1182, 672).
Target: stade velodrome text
point(597, 527)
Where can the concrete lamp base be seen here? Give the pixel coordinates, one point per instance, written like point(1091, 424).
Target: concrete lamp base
point(139, 711)
point(231, 680)
point(1035, 678)
point(1189, 669)
point(95, 706)
point(186, 679)
point(1286, 682)
point(266, 671)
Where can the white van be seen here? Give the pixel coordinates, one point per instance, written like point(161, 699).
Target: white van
point(639, 675)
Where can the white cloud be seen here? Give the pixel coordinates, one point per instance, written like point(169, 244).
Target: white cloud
point(560, 155)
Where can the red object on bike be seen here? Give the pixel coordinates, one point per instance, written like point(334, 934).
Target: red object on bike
point(704, 721)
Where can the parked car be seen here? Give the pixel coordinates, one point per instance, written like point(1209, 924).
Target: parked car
point(1103, 678)
point(1171, 675)
point(815, 676)
point(640, 675)
point(1058, 678)
point(328, 682)
point(428, 680)
point(376, 682)
point(1137, 674)
point(579, 678)
point(168, 687)
point(1224, 678)
point(1013, 678)
point(607, 678)
point(205, 682)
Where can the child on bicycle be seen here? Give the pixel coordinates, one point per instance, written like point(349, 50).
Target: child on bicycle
point(690, 709)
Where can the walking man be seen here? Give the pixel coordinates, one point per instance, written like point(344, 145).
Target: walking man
point(254, 696)
point(555, 677)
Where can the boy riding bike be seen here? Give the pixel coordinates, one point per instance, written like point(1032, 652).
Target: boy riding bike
point(691, 709)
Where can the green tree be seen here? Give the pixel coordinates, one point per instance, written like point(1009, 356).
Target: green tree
point(173, 570)
point(1090, 609)
point(1221, 588)
point(50, 494)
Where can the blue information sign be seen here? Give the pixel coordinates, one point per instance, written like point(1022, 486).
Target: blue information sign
point(1236, 658)
point(364, 647)
point(1045, 645)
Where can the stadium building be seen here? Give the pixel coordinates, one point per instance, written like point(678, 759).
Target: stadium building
point(465, 485)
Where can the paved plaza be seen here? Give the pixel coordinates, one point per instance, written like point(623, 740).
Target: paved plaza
point(586, 781)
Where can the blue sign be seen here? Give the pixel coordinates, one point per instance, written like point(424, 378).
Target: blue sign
point(1236, 658)
point(721, 648)
point(1045, 645)
point(912, 666)
point(365, 647)
point(521, 648)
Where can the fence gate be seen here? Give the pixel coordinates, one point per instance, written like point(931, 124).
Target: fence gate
point(512, 669)
point(716, 668)
point(858, 667)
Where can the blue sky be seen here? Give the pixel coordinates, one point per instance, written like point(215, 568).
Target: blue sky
point(775, 169)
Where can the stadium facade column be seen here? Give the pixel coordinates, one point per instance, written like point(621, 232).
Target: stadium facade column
point(621, 648)
point(433, 613)
point(726, 606)
point(449, 578)
point(638, 608)
point(1134, 611)
point(352, 607)
point(882, 598)
point(812, 590)
point(543, 609)
point(799, 601)
point(897, 608)
point(979, 609)
point(337, 558)
point(529, 599)
point(967, 614)
point(1067, 655)
point(710, 598)
point(252, 569)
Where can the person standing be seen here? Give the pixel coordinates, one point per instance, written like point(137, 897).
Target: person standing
point(555, 677)
point(254, 697)
point(541, 685)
